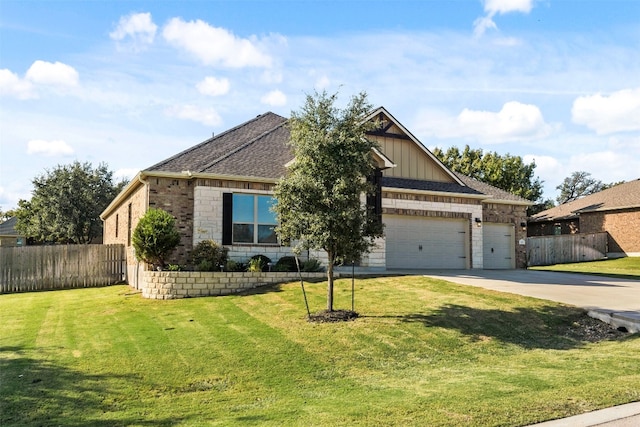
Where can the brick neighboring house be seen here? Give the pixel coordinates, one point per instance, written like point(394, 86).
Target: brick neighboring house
point(615, 210)
point(8, 234)
point(221, 188)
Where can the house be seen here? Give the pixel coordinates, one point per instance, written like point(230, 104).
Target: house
point(615, 211)
point(8, 234)
point(221, 189)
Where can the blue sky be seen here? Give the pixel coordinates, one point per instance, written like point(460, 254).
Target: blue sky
point(130, 83)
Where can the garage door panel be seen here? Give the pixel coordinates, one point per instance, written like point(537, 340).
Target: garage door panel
point(498, 246)
point(419, 242)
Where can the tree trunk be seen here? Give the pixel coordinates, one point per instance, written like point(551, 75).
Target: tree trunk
point(331, 260)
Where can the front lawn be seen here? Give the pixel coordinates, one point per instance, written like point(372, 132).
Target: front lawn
point(626, 268)
point(425, 352)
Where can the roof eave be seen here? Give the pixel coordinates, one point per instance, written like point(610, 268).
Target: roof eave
point(480, 197)
point(126, 191)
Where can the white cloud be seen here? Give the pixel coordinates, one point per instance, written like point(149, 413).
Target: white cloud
point(275, 98)
point(137, 28)
point(215, 46)
point(322, 83)
point(12, 85)
point(52, 73)
point(514, 122)
point(213, 86)
point(493, 7)
point(619, 112)
point(205, 116)
point(49, 148)
point(501, 7)
point(482, 24)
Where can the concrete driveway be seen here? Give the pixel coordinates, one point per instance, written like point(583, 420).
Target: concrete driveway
point(615, 301)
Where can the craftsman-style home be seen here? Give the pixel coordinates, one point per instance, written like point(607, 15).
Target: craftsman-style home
point(221, 189)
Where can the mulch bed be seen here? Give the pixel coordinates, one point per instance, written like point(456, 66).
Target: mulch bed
point(589, 329)
point(333, 316)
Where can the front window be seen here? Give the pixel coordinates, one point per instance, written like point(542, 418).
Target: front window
point(253, 221)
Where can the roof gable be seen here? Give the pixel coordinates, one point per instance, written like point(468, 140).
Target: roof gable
point(621, 196)
point(412, 159)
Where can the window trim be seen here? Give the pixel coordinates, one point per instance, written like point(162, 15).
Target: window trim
point(229, 223)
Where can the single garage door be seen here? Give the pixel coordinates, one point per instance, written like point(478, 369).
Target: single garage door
point(420, 242)
point(498, 246)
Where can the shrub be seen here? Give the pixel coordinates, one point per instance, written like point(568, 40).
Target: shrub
point(258, 263)
point(312, 266)
point(209, 256)
point(286, 263)
point(234, 266)
point(155, 237)
point(174, 267)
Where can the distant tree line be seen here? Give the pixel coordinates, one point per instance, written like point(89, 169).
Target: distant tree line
point(66, 204)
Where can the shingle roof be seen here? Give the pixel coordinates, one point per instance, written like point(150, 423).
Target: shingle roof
point(8, 228)
point(259, 148)
point(416, 184)
point(214, 153)
point(488, 189)
point(621, 196)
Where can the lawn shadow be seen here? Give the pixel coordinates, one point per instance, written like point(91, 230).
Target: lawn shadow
point(276, 287)
point(546, 327)
point(37, 392)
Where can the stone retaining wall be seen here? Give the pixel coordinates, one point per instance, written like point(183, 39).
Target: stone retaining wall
point(187, 284)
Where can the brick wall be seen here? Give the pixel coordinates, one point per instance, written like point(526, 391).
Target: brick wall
point(183, 284)
point(119, 225)
point(510, 214)
point(176, 197)
point(623, 227)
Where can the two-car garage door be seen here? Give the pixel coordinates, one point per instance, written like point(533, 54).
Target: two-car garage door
point(421, 242)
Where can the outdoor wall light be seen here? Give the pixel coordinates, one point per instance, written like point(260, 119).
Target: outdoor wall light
point(478, 221)
point(523, 225)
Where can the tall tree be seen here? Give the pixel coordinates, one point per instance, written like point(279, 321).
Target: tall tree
point(506, 172)
point(66, 204)
point(319, 202)
point(578, 185)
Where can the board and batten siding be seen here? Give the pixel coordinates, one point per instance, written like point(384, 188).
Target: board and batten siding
point(411, 162)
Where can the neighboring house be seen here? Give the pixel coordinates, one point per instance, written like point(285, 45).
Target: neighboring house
point(221, 189)
point(8, 234)
point(615, 210)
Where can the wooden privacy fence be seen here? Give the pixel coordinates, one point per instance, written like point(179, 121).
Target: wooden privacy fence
point(35, 268)
point(548, 250)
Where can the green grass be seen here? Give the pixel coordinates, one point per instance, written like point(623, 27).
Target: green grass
point(424, 352)
point(626, 268)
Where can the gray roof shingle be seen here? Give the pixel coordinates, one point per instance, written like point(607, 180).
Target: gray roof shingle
point(416, 184)
point(621, 196)
point(204, 156)
point(488, 189)
point(259, 148)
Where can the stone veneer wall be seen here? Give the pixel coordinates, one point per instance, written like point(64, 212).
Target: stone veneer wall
point(187, 284)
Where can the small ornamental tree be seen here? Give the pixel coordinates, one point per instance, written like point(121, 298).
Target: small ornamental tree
point(320, 201)
point(155, 237)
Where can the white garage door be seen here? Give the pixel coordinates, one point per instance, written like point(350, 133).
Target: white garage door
point(420, 242)
point(498, 246)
